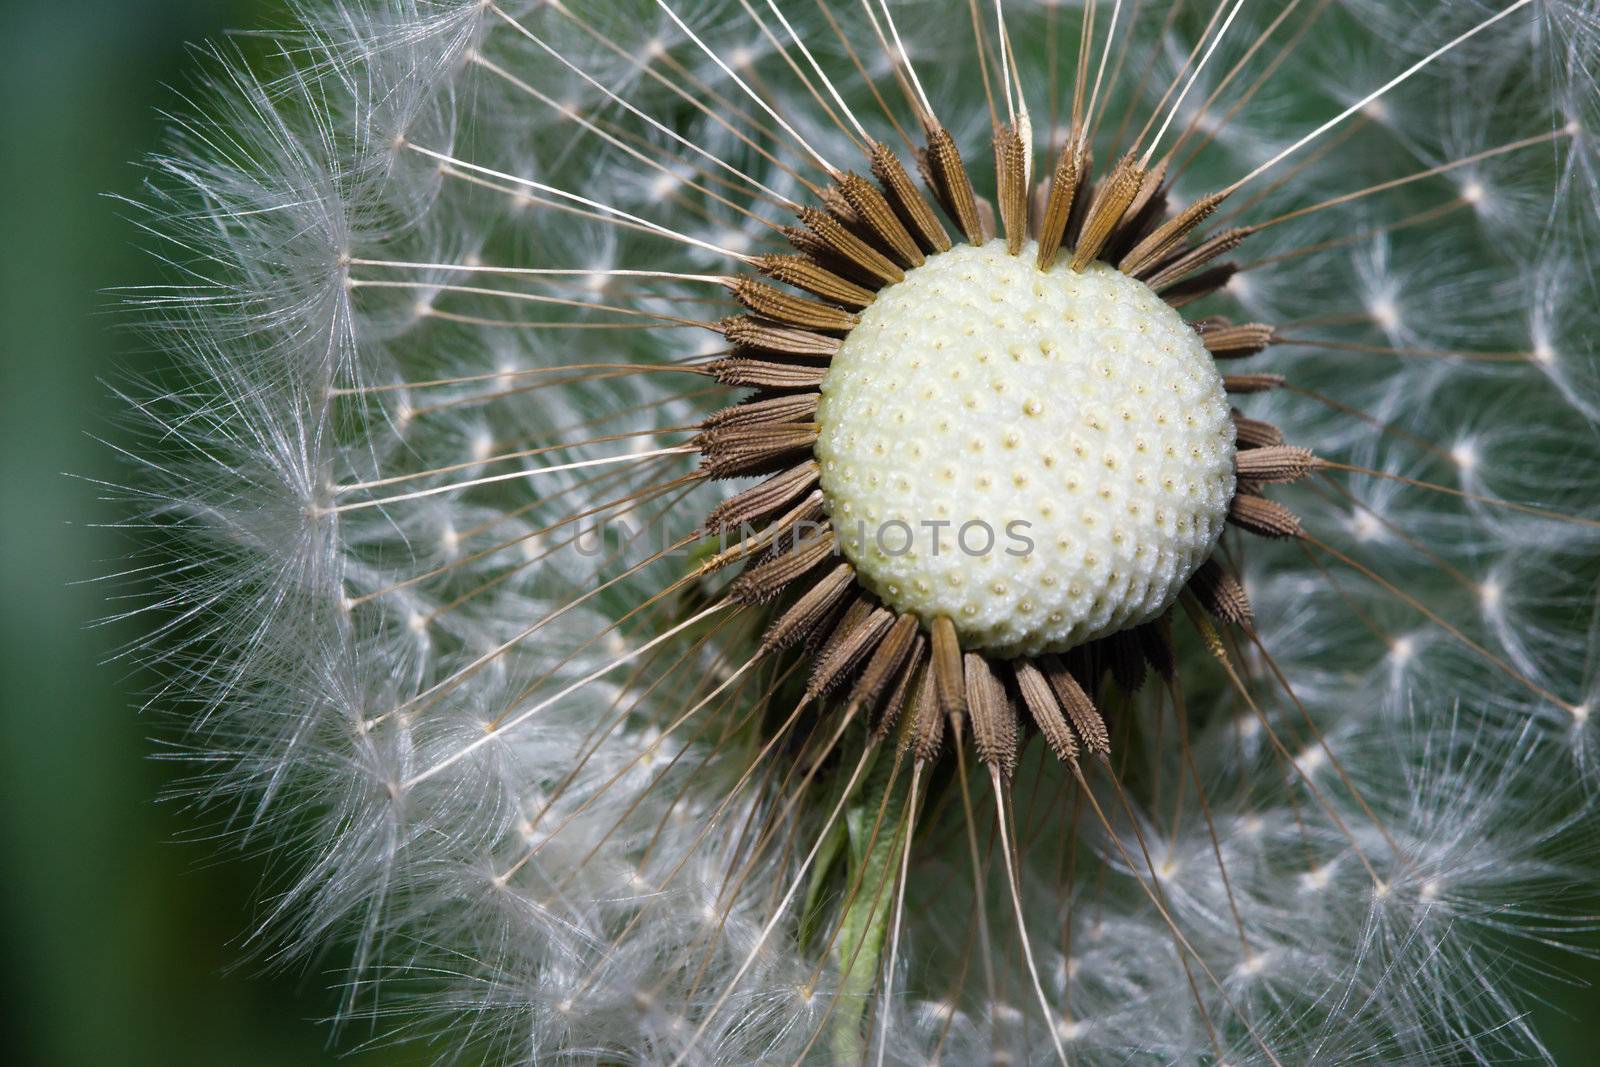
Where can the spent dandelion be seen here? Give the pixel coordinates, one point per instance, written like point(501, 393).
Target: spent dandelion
point(822, 531)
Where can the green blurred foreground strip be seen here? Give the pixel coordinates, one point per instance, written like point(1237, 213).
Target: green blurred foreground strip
point(123, 942)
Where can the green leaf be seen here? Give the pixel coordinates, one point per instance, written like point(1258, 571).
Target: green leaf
point(858, 950)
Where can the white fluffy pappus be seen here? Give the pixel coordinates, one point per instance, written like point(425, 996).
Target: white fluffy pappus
point(454, 290)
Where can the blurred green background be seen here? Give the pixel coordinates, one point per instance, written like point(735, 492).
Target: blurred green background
point(119, 943)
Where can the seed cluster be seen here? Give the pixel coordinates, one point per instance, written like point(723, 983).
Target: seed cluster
point(921, 380)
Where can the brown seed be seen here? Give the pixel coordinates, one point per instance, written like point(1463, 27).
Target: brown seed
point(1263, 517)
point(994, 720)
point(765, 579)
point(1011, 180)
point(776, 537)
point(951, 184)
point(802, 272)
point(1180, 262)
point(814, 607)
point(914, 211)
point(1275, 463)
point(1147, 212)
point(1064, 185)
point(903, 689)
point(837, 206)
point(925, 168)
point(741, 450)
point(874, 211)
point(1111, 201)
point(951, 687)
point(1167, 236)
point(763, 374)
point(1254, 433)
point(764, 500)
point(1202, 626)
point(1252, 383)
point(795, 407)
point(1220, 593)
point(884, 666)
point(747, 331)
point(927, 730)
point(813, 247)
point(1151, 195)
point(855, 612)
point(1238, 342)
point(1045, 710)
point(846, 649)
point(1182, 293)
point(849, 247)
point(792, 310)
point(1085, 717)
point(1088, 185)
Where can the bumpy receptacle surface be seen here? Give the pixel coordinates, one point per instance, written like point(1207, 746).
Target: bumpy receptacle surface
point(1043, 456)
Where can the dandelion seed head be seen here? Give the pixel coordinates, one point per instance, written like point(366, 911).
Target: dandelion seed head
point(486, 314)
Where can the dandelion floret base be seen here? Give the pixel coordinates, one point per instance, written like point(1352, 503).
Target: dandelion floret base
point(1073, 417)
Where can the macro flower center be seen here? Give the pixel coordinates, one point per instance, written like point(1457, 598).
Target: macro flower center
point(1042, 456)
